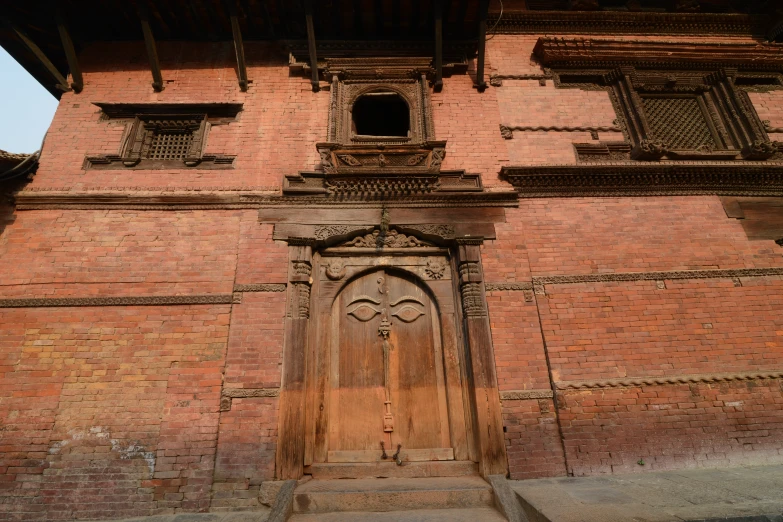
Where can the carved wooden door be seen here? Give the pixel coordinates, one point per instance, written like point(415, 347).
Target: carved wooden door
point(386, 376)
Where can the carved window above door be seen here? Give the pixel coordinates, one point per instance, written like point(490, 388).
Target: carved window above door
point(380, 117)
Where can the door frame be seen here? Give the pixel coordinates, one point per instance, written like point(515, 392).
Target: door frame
point(485, 441)
point(429, 268)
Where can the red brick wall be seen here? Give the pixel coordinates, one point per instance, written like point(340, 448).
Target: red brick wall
point(92, 398)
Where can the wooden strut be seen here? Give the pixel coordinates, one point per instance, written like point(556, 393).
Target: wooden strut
point(311, 45)
point(239, 48)
point(70, 53)
point(62, 83)
point(152, 51)
point(482, 42)
point(438, 85)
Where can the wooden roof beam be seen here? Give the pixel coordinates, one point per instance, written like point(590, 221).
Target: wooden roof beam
point(438, 85)
point(62, 82)
point(239, 46)
point(152, 50)
point(311, 45)
point(70, 53)
point(482, 44)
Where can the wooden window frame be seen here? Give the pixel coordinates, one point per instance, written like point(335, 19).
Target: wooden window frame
point(143, 121)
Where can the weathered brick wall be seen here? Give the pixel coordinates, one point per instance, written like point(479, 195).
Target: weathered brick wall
point(134, 392)
point(275, 134)
point(591, 331)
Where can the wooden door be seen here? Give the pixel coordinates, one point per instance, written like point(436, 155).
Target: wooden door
point(386, 376)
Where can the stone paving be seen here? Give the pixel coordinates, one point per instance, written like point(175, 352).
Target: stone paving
point(745, 494)
point(752, 494)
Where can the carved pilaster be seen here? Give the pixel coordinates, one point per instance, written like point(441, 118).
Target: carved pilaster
point(291, 447)
point(488, 424)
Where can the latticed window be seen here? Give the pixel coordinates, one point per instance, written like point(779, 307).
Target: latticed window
point(170, 144)
point(169, 139)
point(680, 122)
point(166, 136)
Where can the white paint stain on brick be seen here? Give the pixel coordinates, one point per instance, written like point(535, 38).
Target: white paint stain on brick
point(126, 450)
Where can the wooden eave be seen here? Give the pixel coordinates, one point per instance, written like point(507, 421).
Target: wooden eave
point(596, 52)
point(642, 23)
point(91, 21)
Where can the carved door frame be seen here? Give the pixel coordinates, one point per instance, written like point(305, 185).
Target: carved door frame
point(484, 439)
point(334, 269)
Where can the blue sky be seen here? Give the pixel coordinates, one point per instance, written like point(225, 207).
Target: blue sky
point(26, 108)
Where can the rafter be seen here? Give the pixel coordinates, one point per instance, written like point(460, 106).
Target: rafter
point(62, 82)
point(70, 53)
point(438, 85)
point(311, 45)
point(239, 47)
point(152, 51)
point(482, 41)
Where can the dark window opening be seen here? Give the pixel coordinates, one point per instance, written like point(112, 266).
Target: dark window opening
point(381, 114)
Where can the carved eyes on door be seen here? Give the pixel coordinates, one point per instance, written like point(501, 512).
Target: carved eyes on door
point(407, 313)
point(364, 312)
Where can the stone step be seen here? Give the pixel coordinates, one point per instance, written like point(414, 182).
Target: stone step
point(414, 515)
point(447, 468)
point(391, 494)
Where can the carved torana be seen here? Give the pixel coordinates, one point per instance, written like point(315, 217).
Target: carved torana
point(391, 239)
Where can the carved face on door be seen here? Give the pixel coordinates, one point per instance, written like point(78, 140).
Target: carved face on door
point(386, 379)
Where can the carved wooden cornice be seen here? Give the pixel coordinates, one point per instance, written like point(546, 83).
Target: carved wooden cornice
point(153, 300)
point(214, 111)
point(647, 179)
point(517, 286)
point(260, 287)
point(360, 158)
point(716, 273)
point(605, 22)
point(140, 198)
point(380, 183)
point(659, 276)
point(506, 131)
point(228, 394)
point(362, 59)
point(521, 395)
point(594, 52)
point(632, 382)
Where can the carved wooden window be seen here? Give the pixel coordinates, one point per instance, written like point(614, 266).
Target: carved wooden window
point(678, 114)
point(175, 137)
point(166, 138)
point(380, 118)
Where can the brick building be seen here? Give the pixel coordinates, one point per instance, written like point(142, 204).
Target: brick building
point(535, 243)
